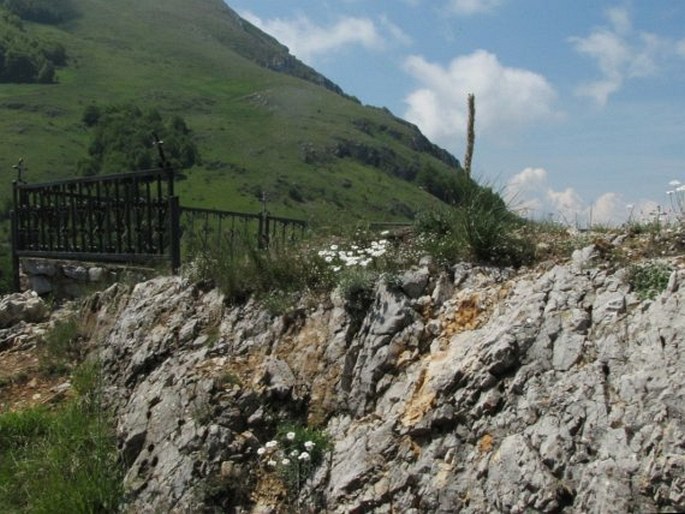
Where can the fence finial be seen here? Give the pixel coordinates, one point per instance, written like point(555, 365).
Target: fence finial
point(160, 148)
point(20, 168)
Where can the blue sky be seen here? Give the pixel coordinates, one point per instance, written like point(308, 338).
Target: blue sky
point(580, 110)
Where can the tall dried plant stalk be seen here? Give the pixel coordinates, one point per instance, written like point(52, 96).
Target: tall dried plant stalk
point(470, 134)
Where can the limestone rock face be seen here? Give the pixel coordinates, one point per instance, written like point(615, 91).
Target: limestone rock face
point(478, 390)
point(18, 307)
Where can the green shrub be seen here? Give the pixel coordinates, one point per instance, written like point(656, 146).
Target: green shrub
point(356, 286)
point(648, 280)
point(41, 11)
point(25, 58)
point(480, 228)
point(123, 136)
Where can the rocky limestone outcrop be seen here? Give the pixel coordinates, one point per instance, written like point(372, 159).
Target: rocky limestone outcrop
point(473, 389)
point(22, 307)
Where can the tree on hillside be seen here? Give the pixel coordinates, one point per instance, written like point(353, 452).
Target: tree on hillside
point(25, 58)
point(123, 140)
point(40, 11)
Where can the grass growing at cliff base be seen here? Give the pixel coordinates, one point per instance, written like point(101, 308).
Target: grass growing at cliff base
point(62, 459)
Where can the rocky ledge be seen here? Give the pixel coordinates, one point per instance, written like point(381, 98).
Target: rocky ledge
point(472, 389)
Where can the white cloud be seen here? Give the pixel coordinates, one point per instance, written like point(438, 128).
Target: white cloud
point(567, 204)
point(620, 52)
point(307, 40)
point(470, 7)
point(529, 177)
point(395, 31)
point(524, 190)
point(680, 48)
point(609, 209)
point(530, 194)
point(619, 19)
point(506, 97)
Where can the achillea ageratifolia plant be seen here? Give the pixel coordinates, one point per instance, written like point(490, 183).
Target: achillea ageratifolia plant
point(339, 257)
point(357, 266)
point(293, 455)
point(677, 199)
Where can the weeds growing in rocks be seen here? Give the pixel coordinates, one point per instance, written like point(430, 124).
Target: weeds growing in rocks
point(650, 279)
point(61, 347)
point(260, 273)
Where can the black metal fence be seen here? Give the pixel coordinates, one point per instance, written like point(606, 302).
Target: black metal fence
point(231, 233)
point(131, 218)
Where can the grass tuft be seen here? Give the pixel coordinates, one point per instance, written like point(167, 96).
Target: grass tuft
point(61, 460)
point(61, 348)
point(481, 228)
point(276, 276)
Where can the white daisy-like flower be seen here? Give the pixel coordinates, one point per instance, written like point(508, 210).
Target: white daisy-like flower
point(309, 445)
point(261, 451)
point(285, 462)
point(290, 436)
point(271, 444)
point(304, 456)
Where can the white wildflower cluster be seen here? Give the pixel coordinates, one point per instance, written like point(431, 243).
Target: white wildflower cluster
point(677, 198)
point(275, 454)
point(356, 255)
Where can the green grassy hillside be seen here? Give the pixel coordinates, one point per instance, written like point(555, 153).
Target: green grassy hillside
point(261, 119)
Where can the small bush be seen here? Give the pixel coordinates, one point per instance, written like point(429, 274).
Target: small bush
point(275, 275)
point(648, 280)
point(480, 228)
point(122, 140)
point(356, 286)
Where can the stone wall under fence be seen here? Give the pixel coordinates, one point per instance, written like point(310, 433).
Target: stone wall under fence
point(69, 279)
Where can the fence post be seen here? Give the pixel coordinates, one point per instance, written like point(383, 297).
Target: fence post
point(174, 234)
point(14, 229)
point(263, 230)
point(16, 284)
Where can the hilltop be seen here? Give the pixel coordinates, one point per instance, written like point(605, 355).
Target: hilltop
point(261, 119)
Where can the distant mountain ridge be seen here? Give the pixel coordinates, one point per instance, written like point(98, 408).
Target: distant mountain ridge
point(275, 56)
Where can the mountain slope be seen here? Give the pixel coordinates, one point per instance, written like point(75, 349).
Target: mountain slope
point(263, 121)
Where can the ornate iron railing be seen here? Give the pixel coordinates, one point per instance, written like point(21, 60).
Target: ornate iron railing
point(118, 218)
point(130, 218)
